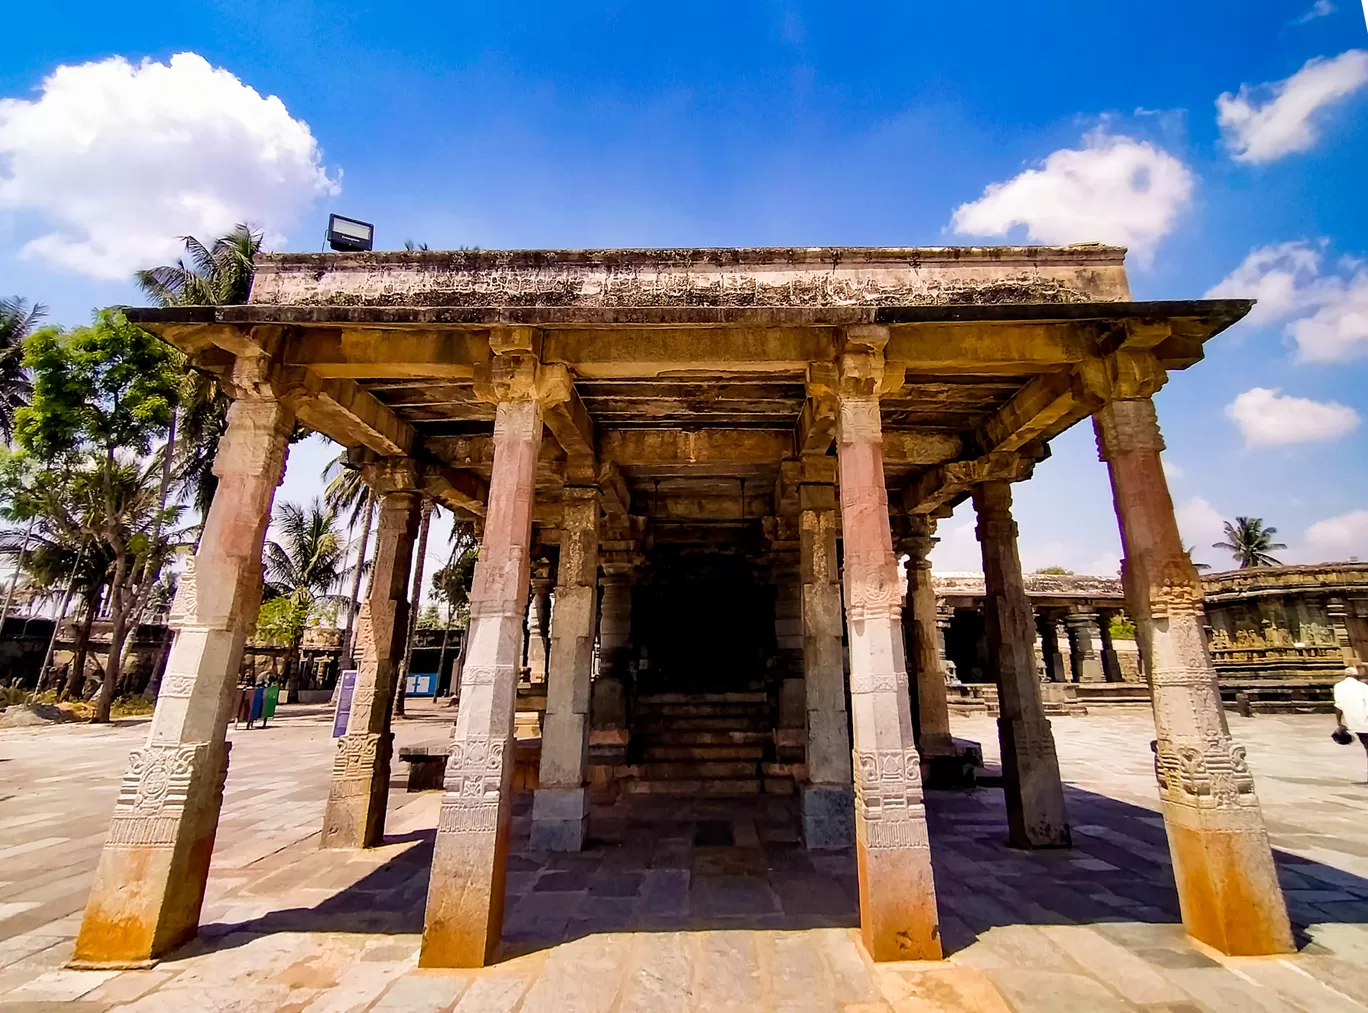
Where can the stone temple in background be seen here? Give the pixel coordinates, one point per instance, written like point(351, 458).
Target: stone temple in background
point(713, 461)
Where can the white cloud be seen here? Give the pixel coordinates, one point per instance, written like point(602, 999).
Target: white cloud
point(1319, 9)
point(120, 159)
point(1200, 525)
point(1114, 189)
point(1339, 537)
point(1172, 471)
point(1326, 315)
point(1269, 418)
point(1258, 131)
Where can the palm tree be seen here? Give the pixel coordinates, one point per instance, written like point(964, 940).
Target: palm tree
point(304, 563)
point(17, 321)
point(218, 275)
point(347, 493)
point(452, 584)
point(1250, 542)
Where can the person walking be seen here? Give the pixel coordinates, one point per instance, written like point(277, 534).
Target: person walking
point(1351, 707)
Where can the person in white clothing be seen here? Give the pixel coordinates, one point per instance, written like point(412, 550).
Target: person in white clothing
point(1351, 704)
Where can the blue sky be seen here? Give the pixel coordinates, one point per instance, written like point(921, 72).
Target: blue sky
point(727, 124)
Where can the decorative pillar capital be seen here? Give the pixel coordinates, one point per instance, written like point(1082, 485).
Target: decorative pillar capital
point(391, 475)
point(1127, 374)
point(1124, 427)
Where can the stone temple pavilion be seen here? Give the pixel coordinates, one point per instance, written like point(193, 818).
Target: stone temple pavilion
point(722, 454)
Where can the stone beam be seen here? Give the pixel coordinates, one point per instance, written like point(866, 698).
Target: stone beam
point(920, 448)
point(617, 497)
point(344, 412)
point(626, 352)
point(459, 490)
point(565, 414)
point(389, 353)
point(940, 488)
point(1003, 348)
point(666, 448)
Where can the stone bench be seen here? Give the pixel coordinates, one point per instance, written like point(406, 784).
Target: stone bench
point(427, 766)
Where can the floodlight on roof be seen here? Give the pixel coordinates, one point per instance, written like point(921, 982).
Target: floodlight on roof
point(349, 235)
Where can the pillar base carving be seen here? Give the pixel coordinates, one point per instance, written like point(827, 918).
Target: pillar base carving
point(355, 816)
point(560, 819)
point(1036, 817)
point(155, 864)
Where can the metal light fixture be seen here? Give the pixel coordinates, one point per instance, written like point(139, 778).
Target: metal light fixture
point(349, 235)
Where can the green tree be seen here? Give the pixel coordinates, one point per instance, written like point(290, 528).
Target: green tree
point(451, 584)
point(346, 493)
point(216, 275)
point(1055, 571)
point(17, 321)
point(305, 562)
point(1250, 542)
point(101, 394)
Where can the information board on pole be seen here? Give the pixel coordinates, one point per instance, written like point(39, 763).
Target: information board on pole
point(344, 702)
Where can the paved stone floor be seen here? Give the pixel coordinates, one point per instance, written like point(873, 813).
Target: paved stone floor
point(682, 906)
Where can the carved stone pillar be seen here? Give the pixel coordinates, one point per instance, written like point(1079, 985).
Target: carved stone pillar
point(898, 918)
point(1048, 628)
point(1036, 817)
point(933, 709)
point(355, 816)
point(149, 885)
point(1227, 885)
point(560, 808)
point(828, 800)
point(944, 617)
point(1087, 666)
point(1111, 664)
point(470, 857)
point(609, 700)
point(539, 625)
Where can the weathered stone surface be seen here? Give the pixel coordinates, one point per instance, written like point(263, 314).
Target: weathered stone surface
point(828, 816)
point(898, 918)
point(565, 739)
point(1227, 884)
point(465, 893)
point(355, 816)
point(742, 277)
point(1035, 795)
point(933, 711)
point(828, 742)
point(150, 883)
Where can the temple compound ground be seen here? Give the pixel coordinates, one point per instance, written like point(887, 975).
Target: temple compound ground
point(684, 905)
point(703, 467)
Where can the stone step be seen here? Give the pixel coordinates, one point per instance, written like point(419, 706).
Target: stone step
point(701, 737)
point(669, 698)
point(698, 770)
point(717, 787)
point(711, 722)
point(728, 751)
point(679, 710)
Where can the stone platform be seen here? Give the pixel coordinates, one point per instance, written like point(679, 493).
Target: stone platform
point(689, 905)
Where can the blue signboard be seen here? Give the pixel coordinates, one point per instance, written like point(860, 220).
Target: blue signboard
point(345, 690)
point(421, 684)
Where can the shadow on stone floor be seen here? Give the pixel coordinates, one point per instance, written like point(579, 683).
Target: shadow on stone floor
point(656, 864)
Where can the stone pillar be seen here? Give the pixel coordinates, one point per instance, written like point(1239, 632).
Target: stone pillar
point(1048, 629)
point(898, 919)
point(1036, 817)
point(609, 699)
point(1227, 885)
point(1111, 664)
point(355, 815)
point(1087, 666)
point(149, 885)
point(944, 616)
point(470, 857)
point(933, 709)
point(539, 626)
point(560, 808)
point(827, 797)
